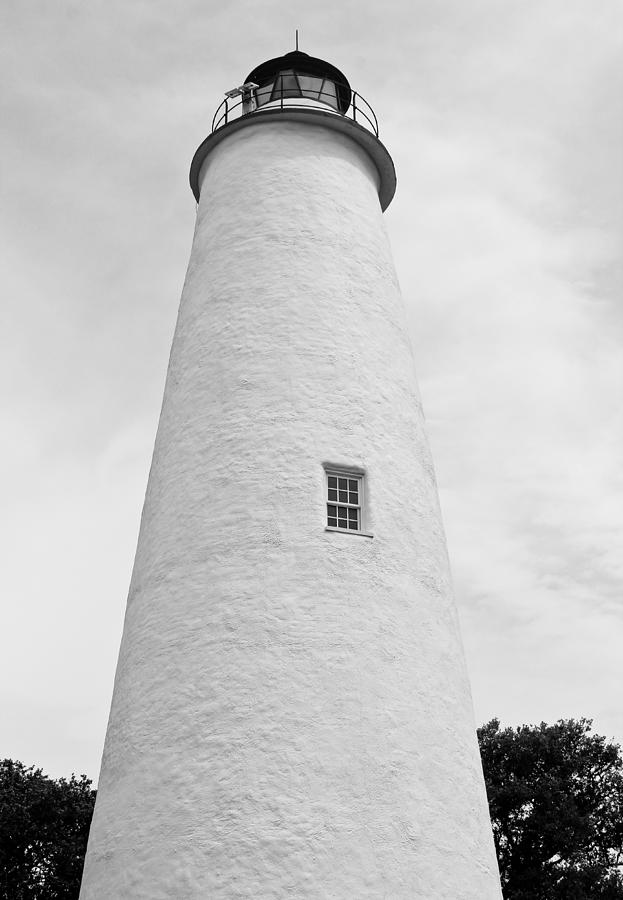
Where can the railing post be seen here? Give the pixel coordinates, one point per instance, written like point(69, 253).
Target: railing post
point(354, 106)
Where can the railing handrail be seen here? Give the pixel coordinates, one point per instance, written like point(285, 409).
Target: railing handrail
point(358, 107)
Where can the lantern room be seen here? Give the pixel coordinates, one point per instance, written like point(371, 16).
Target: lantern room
point(300, 77)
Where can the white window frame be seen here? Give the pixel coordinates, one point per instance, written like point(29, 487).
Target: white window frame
point(353, 474)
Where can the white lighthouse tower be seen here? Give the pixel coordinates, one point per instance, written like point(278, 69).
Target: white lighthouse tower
point(291, 716)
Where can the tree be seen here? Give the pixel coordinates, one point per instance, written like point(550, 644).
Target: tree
point(44, 826)
point(556, 804)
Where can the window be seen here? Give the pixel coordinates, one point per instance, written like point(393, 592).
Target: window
point(344, 501)
point(288, 84)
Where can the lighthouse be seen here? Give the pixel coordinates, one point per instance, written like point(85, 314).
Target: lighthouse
point(291, 716)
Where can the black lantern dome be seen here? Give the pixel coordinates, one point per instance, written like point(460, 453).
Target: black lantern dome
point(299, 75)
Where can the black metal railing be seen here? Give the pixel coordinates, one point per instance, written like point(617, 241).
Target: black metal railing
point(267, 98)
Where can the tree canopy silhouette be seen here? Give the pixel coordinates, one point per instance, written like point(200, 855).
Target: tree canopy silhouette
point(556, 804)
point(44, 826)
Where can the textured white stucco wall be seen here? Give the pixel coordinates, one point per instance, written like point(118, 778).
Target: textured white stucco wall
point(291, 715)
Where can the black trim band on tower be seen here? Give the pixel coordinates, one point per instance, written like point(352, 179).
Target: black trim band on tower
point(377, 151)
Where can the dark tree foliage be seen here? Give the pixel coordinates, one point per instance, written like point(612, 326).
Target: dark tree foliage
point(44, 826)
point(556, 804)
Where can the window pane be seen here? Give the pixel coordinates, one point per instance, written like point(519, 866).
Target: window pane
point(310, 86)
point(276, 91)
point(344, 498)
point(289, 85)
point(263, 93)
point(328, 94)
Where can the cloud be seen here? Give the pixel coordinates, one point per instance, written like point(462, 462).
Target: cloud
point(512, 264)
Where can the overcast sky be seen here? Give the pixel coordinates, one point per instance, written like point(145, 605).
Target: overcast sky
point(504, 120)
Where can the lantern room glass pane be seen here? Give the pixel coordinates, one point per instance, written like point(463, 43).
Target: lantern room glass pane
point(276, 92)
point(290, 85)
point(310, 86)
point(286, 85)
point(329, 94)
point(264, 93)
